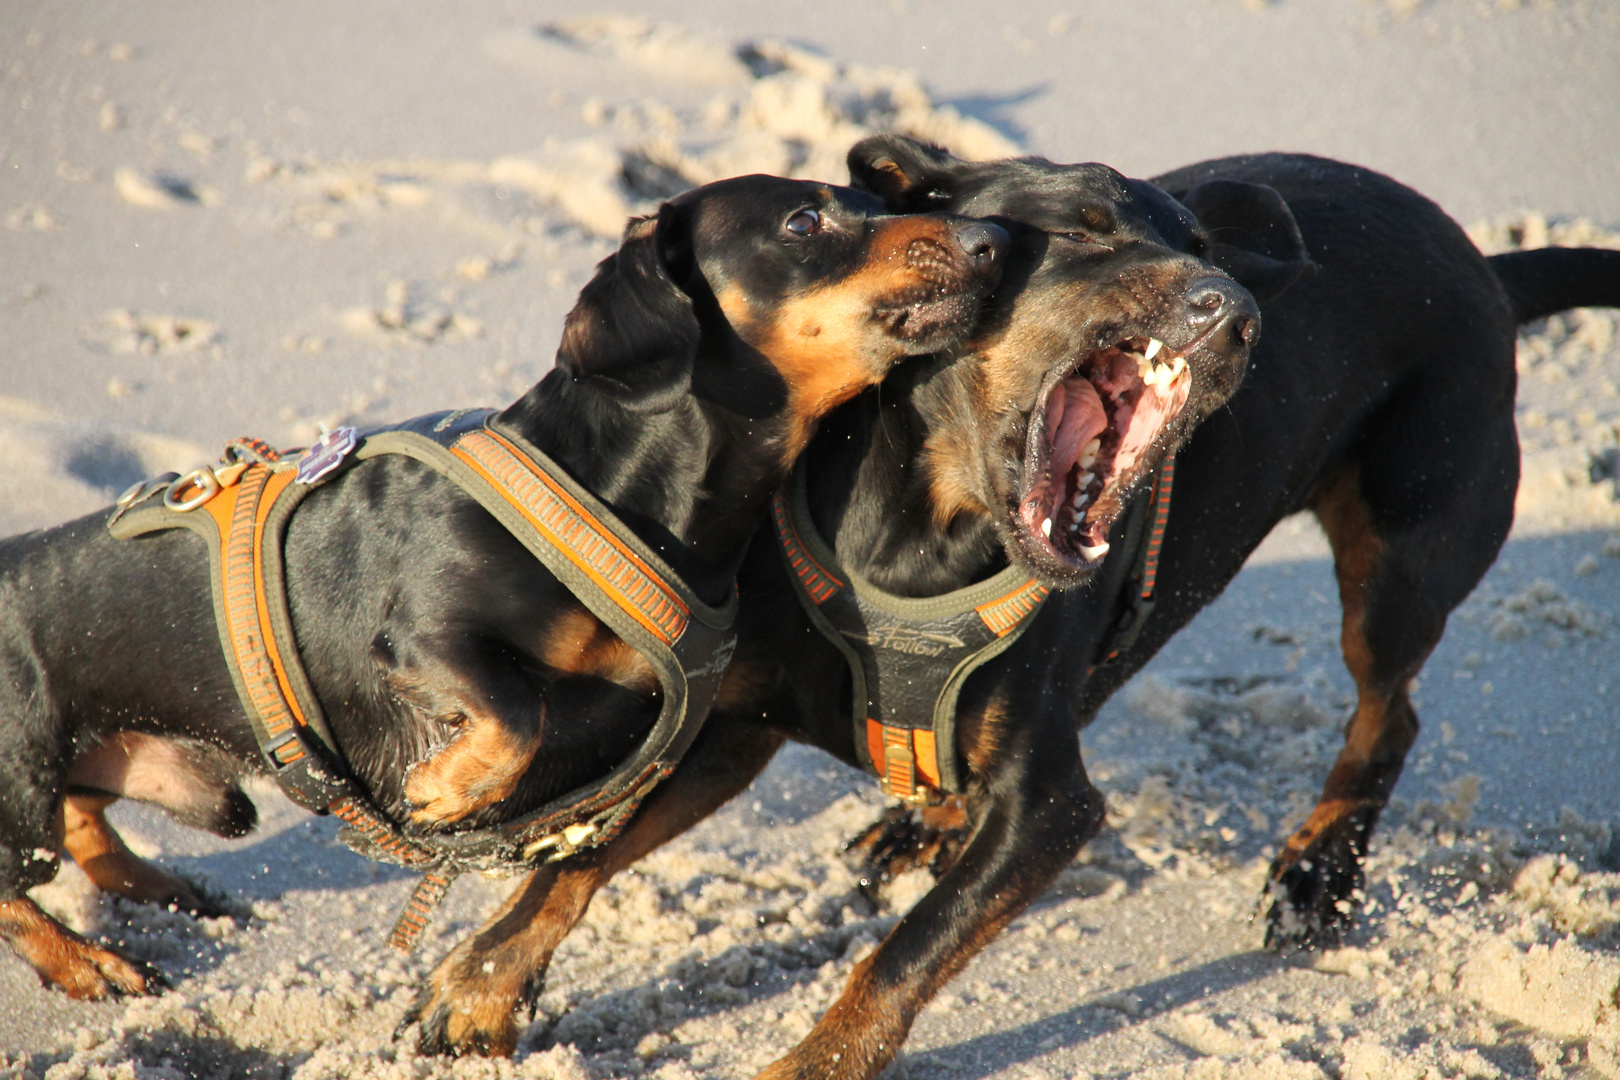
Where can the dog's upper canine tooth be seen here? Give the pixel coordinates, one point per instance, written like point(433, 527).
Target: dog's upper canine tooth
point(1154, 345)
point(1090, 553)
point(1046, 528)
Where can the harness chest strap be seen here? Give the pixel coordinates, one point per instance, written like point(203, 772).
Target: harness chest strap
point(908, 658)
point(245, 507)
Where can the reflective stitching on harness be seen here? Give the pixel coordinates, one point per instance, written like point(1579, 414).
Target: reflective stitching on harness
point(818, 583)
point(576, 532)
point(246, 617)
point(425, 899)
point(1001, 616)
point(1161, 515)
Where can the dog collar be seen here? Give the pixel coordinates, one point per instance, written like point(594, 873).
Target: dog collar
point(242, 509)
point(908, 657)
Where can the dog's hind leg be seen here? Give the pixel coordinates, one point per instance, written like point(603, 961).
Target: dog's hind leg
point(471, 1000)
point(1411, 536)
point(109, 864)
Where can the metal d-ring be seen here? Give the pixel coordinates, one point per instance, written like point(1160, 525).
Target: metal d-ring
point(205, 482)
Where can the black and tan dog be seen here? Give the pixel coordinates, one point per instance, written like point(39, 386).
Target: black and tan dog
point(1381, 400)
point(463, 683)
point(1380, 396)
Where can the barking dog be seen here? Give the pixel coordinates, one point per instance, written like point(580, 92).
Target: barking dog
point(1380, 399)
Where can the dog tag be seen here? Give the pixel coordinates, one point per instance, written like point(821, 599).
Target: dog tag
point(327, 454)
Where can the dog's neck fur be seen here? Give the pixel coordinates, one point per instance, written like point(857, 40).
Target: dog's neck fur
point(692, 481)
point(872, 490)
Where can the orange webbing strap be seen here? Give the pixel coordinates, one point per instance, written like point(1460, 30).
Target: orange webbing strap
point(905, 759)
point(1161, 515)
point(1144, 577)
point(264, 677)
point(419, 909)
point(576, 532)
point(239, 511)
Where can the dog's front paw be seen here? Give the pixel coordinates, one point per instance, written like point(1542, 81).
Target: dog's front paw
point(97, 973)
point(1313, 894)
point(905, 838)
point(67, 961)
point(471, 1005)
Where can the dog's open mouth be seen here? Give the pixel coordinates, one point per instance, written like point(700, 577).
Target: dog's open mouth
point(1090, 433)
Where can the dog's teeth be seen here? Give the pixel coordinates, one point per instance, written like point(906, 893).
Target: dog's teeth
point(1074, 526)
point(1085, 479)
point(1154, 345)
point(1088, 453)
point(1177, 366)
point(1091, 553)
point(1046, 528)
point(1080, 500)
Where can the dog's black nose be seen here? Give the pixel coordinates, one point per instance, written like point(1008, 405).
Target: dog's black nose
point(983, 242)
point(1215, 300)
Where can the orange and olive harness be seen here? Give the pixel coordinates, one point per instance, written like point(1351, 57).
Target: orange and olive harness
point(242, 507)
point(909, 657)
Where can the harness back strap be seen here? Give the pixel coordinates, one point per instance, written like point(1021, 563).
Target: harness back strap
point(245, 507)
point(1151, 516)
point(908, 657)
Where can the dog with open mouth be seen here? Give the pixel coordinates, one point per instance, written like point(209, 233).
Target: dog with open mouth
point(1380, 399)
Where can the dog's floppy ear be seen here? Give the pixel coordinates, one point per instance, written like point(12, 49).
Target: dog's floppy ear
point(1253, 235)
point(633, 333)
point(907, 175)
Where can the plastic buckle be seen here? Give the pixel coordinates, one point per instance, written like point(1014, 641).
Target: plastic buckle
point(285, 749)
point(900, 766)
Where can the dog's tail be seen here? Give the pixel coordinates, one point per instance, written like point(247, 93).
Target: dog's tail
point(1549, 280)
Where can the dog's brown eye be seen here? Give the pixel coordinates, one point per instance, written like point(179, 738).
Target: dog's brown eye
point(803, 223)
point(1094, 219)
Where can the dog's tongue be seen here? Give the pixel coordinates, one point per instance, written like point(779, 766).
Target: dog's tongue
point(1074, 416)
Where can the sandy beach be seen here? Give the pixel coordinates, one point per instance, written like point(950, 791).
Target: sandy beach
point(233, 219)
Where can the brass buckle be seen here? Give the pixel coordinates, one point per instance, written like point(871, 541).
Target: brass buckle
point(203, 480)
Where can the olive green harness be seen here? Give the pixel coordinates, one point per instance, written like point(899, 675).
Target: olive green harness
point(909, 657)
point(242, 508)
